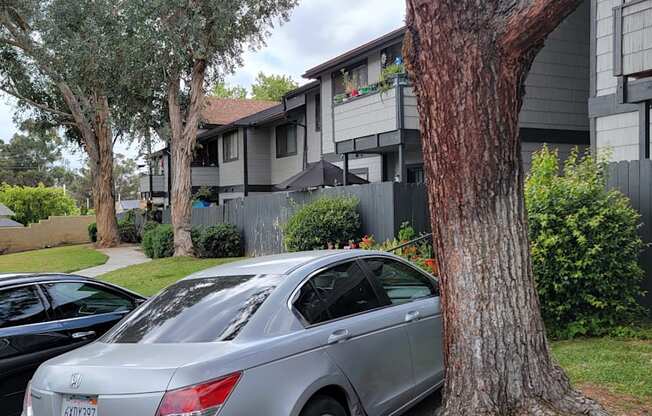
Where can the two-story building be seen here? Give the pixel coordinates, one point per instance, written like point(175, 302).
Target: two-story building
point(621, 78)
point(359, 109)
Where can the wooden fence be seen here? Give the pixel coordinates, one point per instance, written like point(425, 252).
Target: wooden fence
point(383, 208)
point(634, 179)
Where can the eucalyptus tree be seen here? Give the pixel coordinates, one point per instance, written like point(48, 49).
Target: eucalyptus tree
point(468, 61)
point(67, 63)
point(195, 42)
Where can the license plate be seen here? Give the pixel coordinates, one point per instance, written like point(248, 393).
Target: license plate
point(79, 406)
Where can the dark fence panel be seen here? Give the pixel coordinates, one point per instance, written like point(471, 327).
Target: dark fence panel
point(260, 218)
point(634, 179)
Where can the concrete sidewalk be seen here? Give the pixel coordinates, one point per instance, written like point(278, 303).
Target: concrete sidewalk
point(119, 257)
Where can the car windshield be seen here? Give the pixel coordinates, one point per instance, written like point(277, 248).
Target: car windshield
point(196, 310)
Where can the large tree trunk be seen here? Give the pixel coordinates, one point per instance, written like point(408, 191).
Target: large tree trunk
point(468, 61)
point(184, 138)
point(98, 144)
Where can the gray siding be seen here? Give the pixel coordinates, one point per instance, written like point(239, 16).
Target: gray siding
point(258, 148)
point(231, 173)
point(605, 81)
point(557, 88)
point(284, 167)
point(564, 150)
point(158, 183)
point(637, 38)
point(364, 116)
point(618, 134)
point(205, 176)
point(314, 136)
point(328, 145)
point(410, 110)
point(372, 164)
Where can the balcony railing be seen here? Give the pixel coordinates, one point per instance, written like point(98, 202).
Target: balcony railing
point(633, 38)
point(158, 183)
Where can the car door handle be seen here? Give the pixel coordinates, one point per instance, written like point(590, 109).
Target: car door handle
point(85, 334)
point(339, 336)
point(412, 316)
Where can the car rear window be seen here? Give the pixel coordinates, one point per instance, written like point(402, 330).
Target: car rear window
point(196, 310)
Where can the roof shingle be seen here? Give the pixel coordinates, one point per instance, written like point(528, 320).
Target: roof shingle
point(223, 111)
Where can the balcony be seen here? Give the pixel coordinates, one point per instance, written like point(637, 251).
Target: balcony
point(205, 176)
point(158, 183)
point(633, 39)
point(374, 119)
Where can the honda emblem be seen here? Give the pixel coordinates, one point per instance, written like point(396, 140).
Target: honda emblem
point(75, 381)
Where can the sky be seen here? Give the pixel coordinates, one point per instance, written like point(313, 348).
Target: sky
point(317, 31)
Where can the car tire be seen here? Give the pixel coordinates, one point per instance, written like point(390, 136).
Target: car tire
point(323, 406)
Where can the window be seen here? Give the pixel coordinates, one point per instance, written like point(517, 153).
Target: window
point(286, 140)
point(401, 282)
point(211, 153)
point(415, 174)
point(357, 76)
point(341, 291)
point(21, 306)
point(78, 299)
point(206, 154)
point(318, 112)
point(391, 54)
point(196, 310)
point(230, 146)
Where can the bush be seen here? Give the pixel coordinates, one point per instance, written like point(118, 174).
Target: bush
point(158, 242)
point(217, 241)
point(326, 220)
point(127, 229)
point(584, 246)
point(31, 204)
point(92, 232)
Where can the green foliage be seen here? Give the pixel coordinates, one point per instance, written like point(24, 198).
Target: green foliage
point(216, 241)
point(158, 242)
point(406, 232)
point(325, 221)
point(223, 90)
point(29, 156)
point(92, 232)
point(31, 204)
point(128, 230)
point(584, 246)
point(272, 87)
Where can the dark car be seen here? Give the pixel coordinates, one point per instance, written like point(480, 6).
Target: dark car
point(44, 315)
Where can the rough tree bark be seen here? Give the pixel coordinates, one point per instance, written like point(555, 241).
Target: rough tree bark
point(184, 125)
point(98, 143)
point(468, 61)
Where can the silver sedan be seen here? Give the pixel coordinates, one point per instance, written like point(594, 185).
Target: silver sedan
point(323, 333)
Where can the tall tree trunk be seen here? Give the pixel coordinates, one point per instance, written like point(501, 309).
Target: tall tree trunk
point(184, 138)
point(468, 61)
point(98, 144)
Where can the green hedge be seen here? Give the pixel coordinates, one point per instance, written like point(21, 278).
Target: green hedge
point(325, 221)
point(92, 232)
point(584, 246)
point(217, 241)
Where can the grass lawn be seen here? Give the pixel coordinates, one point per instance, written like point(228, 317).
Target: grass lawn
point(616, 372)
point(60, 259)
point(148, 278)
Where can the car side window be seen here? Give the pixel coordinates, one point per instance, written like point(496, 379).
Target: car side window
point(401, 282)
point(338, 292)
point(79, 299)
point(21, 306)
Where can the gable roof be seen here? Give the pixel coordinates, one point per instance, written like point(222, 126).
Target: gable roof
point(347, 56)
point(6, 222)
point(5, 212)
point(221, 111)
point(265, 116)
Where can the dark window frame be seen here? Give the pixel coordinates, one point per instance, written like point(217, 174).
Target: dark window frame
point(235, 135)
point(55, 317)
point(348, 68)
point(318, 112)
point(285, 153)
point(42, 298)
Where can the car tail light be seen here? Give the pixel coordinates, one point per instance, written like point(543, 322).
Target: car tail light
point(27, 401)
point(204, 399)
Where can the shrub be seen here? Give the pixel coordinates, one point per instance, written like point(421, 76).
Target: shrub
point(216, 241)
point(158, 242)
point(326, 220)
point(92, 232)
point(128, 231)
point(584, 247)
point(31, 204)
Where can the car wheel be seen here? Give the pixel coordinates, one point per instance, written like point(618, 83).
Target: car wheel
point(323, 406)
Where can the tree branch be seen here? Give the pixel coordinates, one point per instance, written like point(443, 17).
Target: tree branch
point(529, 22)
point(35, 104)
